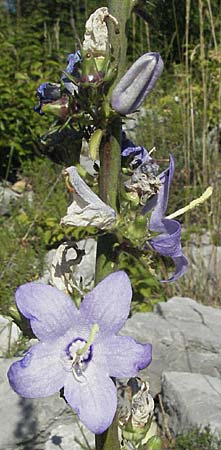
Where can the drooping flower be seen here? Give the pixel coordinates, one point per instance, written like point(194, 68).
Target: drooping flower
point(73, 61)
point(168, 242)
point(79, 350)
point(47, 92)
point(136, 84)
point(87, 208)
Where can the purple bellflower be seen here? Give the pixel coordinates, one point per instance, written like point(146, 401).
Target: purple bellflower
point(168, 242)
point(136, 84)
point(73, 61)
point(47, 93)
point(79, 349)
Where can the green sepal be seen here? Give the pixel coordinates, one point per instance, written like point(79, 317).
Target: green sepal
point(154, 443)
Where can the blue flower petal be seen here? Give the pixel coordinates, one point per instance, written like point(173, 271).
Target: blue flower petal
point(123, 356)
point(168, 242)
point(94, 399)
point(39, 373)
point(108, 304)
point(51, 311)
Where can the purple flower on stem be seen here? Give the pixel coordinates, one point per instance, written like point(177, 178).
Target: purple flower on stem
point(73, 61)
point(168, 242)
point(79, 349)
point(47, 93)
point(140, 154)
point(136, 84)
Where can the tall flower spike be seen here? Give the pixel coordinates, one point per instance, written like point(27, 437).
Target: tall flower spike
point(87, 208)
point(168, 242)
point(79, 350)
point(136, 84)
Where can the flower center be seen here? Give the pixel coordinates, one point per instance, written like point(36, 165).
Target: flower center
point(79, 353)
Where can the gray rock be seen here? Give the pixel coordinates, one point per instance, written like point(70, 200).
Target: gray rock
point(204, 273)
point(9, 335)
point(192, 400)
point(70, 436)
point(26, 420)
point(185, 336)
point(7, 196)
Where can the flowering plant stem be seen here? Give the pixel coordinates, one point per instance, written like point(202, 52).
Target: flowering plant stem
point(110, 159)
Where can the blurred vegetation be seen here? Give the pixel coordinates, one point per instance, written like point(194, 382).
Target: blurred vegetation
point(181, 116)
point(195, 440)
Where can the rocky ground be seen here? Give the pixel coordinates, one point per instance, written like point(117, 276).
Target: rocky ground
point(184, 375)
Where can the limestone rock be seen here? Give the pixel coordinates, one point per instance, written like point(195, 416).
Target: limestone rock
point(70, 436)
point(9, 335)
point(185, 336)
point(26, 420)
point(192, 400)
point(7, 197)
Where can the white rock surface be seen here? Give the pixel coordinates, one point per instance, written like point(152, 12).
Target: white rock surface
point(70, 436)
point(9, 335)
point(192, 400)
point(185, 336)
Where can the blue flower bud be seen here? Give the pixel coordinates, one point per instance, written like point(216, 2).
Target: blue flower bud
point(136, 84)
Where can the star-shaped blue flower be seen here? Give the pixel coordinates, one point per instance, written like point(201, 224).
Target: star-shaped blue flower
point(79, 350)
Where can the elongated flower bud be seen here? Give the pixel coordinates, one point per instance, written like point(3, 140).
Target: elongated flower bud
point(136, 84)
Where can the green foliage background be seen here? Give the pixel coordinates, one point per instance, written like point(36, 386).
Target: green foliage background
point(35, 39)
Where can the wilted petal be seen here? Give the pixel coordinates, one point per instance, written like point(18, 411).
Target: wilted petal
point(51, 312)
point(96, 37)
point(39, 373)
point(72, 61)
point(116, 350)
point(136, 84)
point(63, 266)
point(108, 304)
point(87, 208)
point(94, 399)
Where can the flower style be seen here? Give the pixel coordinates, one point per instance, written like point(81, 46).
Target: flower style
point(87, 208)
point(79, 349)
point(167, 243)
point(136, 84)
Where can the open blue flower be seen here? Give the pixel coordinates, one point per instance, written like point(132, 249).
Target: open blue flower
point(168, 242)
point(79, 349)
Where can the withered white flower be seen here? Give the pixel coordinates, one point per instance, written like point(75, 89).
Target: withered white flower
point(87, 209)
point(73, 266)
point(96, 38)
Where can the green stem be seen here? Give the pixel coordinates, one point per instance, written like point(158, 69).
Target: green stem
point(110, 158)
